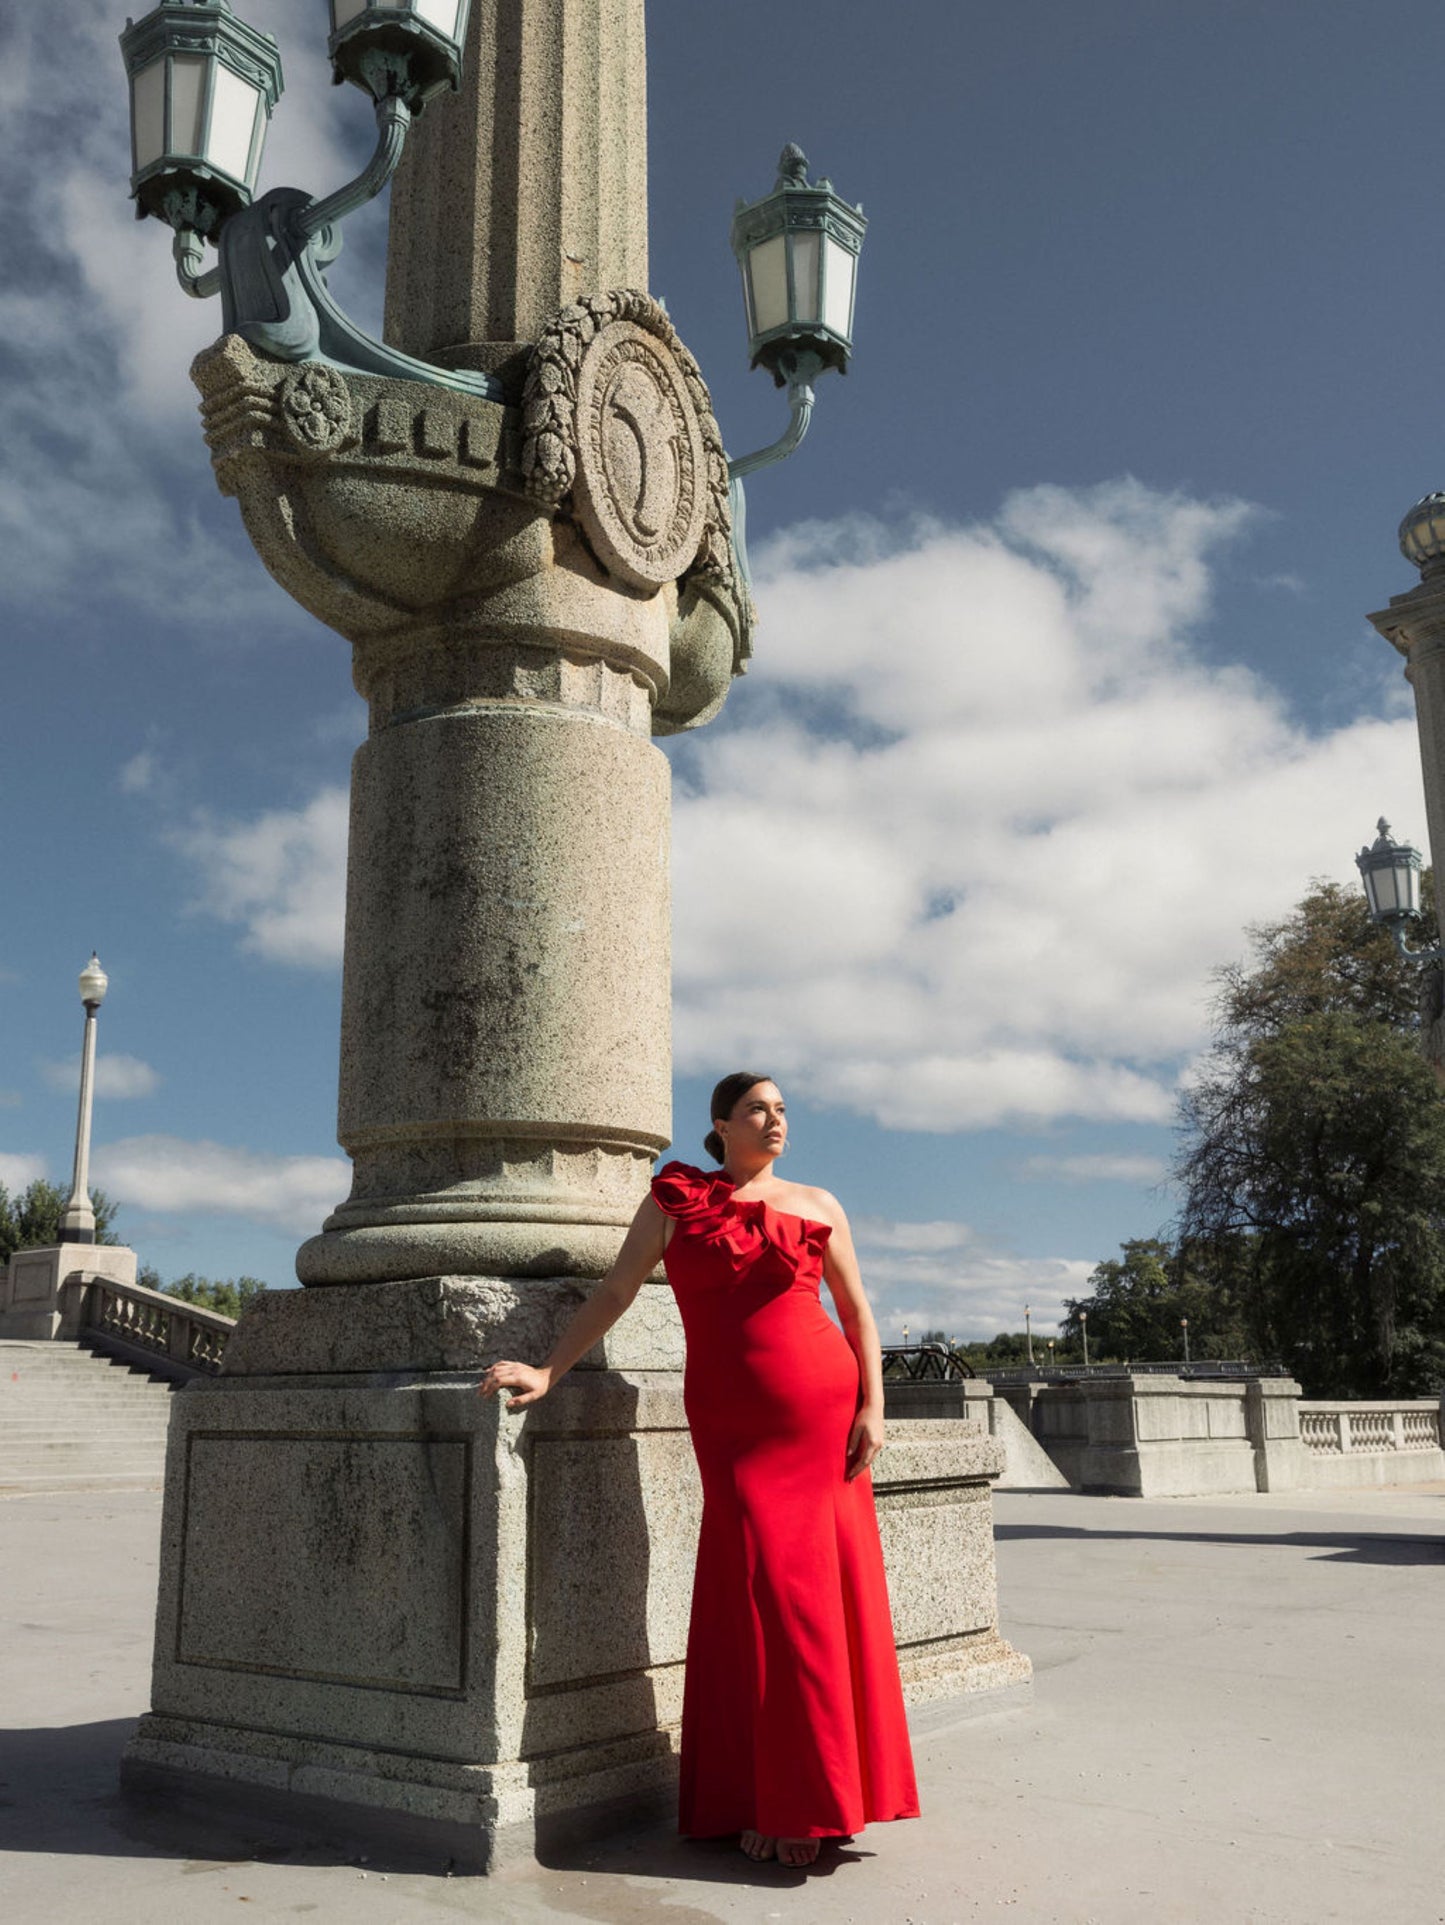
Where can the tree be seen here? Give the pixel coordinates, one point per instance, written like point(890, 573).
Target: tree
point(229, 1295)
point(1139, 1301)
point(31, 1221)
point(1313, 1155)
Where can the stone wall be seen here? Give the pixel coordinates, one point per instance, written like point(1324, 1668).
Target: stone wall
point(1163, 1436)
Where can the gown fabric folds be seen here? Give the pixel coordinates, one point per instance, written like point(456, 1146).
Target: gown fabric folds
point(793, 1720)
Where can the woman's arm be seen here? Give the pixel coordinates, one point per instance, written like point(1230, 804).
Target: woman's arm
point(840, 1267)
point(639, 1256)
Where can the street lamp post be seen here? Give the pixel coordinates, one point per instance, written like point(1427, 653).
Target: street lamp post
point(1028, 1333)
point(1084, 1331)
point(77, 1225)
point(1184, 1327)
point(1414, 623)
point(517, 509)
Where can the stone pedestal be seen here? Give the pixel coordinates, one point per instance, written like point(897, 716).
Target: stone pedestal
point(31, 1302)
point(431, 1621)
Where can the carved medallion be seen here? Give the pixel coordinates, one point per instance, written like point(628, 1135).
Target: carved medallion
point(316, 406)
point(641, 484)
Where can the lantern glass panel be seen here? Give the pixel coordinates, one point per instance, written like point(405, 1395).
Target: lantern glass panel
point(188, 98)
point(344, 10)
point(768, 273)
point(1408, 881)
point(233, 124)
point(806, 252)
point(838, 293)
point(1386, 898)
point(442, 14)
point(148, 114)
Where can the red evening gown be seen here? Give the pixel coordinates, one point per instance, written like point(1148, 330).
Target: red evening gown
point(793, 1720)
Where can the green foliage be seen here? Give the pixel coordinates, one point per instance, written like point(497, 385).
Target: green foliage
point(1139, 1301)
point(31, 1220)
point(1313, 1156)
point(230, 1295)
point(1312, 1160)
point(1008, 1348)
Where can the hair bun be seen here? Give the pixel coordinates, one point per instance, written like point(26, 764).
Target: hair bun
point(714, 1146)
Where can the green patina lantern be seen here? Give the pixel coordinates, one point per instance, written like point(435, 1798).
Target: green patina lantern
point(409, 48)
point(1390, 871)
point(202, 88)
point(798, 250)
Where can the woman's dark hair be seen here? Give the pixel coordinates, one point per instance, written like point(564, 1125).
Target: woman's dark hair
point(725, 1099)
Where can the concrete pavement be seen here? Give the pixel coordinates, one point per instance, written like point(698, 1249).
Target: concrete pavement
point(1237, 1717)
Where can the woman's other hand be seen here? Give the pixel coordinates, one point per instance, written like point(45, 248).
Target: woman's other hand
point(524, 1380)
point(865, 1440)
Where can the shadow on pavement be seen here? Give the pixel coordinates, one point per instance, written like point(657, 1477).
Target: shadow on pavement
point(1345, 1547)
point(60, 1793)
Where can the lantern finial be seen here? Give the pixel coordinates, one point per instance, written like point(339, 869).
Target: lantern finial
point(792, 166)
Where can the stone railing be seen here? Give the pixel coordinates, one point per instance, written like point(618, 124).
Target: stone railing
point(1149, 1434)
point(169, 1336)
point(1347, 1429)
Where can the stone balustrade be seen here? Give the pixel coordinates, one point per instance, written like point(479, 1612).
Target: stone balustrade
point(169, 1336)
point(1371, 1443)
point(1131, 1434)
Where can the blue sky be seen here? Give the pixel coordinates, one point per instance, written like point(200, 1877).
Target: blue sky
point(1062, 677)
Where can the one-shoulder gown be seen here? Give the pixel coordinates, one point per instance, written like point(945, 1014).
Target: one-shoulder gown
point(793, 1720)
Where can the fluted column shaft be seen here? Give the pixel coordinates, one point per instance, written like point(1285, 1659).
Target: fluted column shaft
point(529, 187)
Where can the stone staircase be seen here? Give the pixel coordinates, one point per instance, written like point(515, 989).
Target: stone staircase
point(71, 1419)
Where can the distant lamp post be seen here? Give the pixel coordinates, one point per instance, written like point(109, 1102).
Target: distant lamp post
point(1084, 1331)
point(1028, 1334)
point(1051, 1353)
point(798, 250)
point(1184, 1326)
point(1390, 871)
point(78, 1223)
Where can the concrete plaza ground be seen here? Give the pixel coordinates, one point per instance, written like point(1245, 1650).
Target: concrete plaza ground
point(1237, 1716)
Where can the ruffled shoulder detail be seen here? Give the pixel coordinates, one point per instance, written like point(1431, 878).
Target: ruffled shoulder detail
point(704, 1199)
point(679, 1190)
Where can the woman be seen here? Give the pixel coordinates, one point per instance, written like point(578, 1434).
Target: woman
point(793, 1727)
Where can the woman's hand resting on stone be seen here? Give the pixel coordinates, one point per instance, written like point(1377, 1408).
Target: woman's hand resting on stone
point(526, 1381)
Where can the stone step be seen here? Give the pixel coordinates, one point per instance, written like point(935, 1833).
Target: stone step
point(52, 1427)
point(21, 1484)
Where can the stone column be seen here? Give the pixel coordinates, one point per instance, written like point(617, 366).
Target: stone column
point(383, 1601)
point(527, 189)
point(1415, 624)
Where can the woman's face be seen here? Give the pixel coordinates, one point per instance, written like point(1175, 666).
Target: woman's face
point(758, 1126)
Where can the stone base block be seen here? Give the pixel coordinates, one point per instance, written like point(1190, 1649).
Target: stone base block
point(30, 1289)
point(381, 1592)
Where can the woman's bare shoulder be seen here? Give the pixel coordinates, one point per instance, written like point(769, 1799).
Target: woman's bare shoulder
point(819, 1205)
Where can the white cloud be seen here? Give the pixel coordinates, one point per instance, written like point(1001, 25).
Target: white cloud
point(281, 876)
point(17, 1172)
point(1100, 1168)
point(992, 820)
point(117, 1076)
point(138, 775)
point(10, 1099)
point(96, 435)
point(167, 1173)
point(940, 1276)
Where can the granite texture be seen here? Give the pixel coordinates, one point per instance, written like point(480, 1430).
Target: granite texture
point(529, 187)
point(441, 1324)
